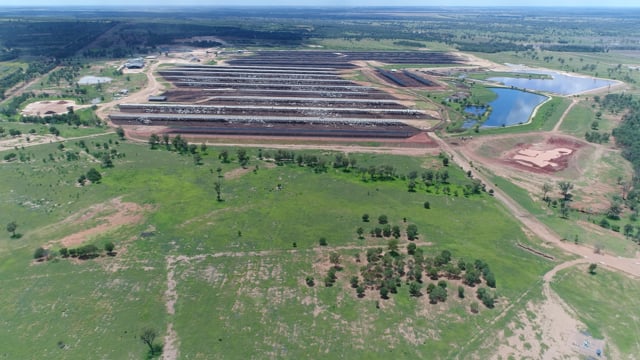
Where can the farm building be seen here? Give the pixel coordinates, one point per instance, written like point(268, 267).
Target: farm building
point(137, 63)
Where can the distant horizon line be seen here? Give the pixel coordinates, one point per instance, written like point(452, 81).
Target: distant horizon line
point(129, 6)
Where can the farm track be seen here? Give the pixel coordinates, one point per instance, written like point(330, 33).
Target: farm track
point(628, 266)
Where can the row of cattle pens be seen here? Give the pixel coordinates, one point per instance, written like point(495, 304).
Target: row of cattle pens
point(284, 93)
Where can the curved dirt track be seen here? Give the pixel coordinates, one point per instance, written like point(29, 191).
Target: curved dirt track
point(629, 266)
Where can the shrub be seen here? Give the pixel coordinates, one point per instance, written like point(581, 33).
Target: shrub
point(323, 242)
point(310, 281)
point(40, 253)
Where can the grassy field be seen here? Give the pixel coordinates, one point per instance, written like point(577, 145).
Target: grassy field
point(568, 229)
point(240, 284)
point(605, 302)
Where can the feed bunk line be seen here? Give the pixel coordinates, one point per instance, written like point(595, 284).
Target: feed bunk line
point(354, 88)
point(252, 119)
point(165, 73)
point(216, 109)
point(298, 69)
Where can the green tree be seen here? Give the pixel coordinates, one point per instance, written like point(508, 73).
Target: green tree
point(360, 231)
point(490, 279)
point(64, 252)
point(310, 281)
point(365, 217)
point(94, 175)
point(382, 219)
point(217, 187)
point(474, 307)
point(12, 227)
point(427, 205)
point(224, 156)
point(592, 268)
point(386, 230)
point(438, 294)
point(243, 158)
point(565, 189)
point(411, 248)
point(546, 188)
point(384, 292)
point(564, 210)
point(109, 247)
point(360, 290)
point(40, 253)
point(414, 289)
point(614, 211)
point(148, 336)
point(461, 292)
point(392, 246)
point(334, 258)
point(197, 159)
point(154, 140)
point(412, 231)
point(354, 282)
point(323, 241)
point(395, 231)
point(120, 133)
point(411, 186)
point(106, 161)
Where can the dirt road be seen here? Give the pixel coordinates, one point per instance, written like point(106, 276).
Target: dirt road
point(629, 266)
point(564, 115)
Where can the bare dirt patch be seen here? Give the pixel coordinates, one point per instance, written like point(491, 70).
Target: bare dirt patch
point(109, 215)
point(551, 155)
point(21, 141)
point(52, 107)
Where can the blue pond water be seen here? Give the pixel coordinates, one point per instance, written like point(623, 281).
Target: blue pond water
point(562, 84)
point(475, 110)
point(512, 107)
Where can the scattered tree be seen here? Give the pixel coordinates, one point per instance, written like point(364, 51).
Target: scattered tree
point(40, 253)
point(461, 292)
point(414, 289)
point(12, 227)
point(382, 219)
point(243, 158)
point(412, 231)
point(120, 133)
point(565, 189)
point(592, 268)
point(411, 248)
point(546, 188)
point(310, 281)
point(365, 217)
point(148, 336)
point(438, 294)
point(474, 307)
point(224, 156)
point(334, 258)
point(217, 186)
point(94, 175)
point(360, 231)
point(109, 247)
point(154, 140)
point(323, 241)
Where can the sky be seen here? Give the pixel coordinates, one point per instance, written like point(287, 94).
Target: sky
point(348, 3)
